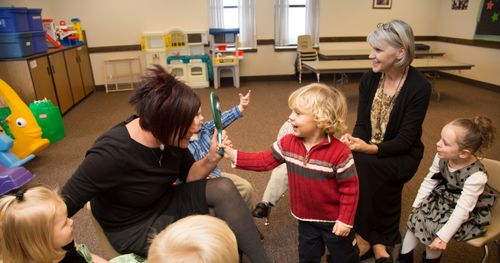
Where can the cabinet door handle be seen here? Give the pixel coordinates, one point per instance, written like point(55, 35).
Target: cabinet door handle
point(53, 69)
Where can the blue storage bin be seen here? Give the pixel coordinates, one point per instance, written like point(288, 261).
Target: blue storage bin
point(35, 19)
point(13, 19)
point(16, 45)
point(39, 43)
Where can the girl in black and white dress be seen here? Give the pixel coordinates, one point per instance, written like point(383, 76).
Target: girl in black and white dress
point(454, 200)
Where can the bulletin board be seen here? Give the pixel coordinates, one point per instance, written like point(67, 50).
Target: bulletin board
point(488, 21)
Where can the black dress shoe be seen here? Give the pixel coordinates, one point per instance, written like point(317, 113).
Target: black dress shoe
point(384, 260)
point(367, 255)
point(262, 210)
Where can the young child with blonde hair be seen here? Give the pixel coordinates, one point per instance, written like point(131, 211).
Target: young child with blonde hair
point(197, 238)
point(322, 178)
point(454, 200)
point(34, 227)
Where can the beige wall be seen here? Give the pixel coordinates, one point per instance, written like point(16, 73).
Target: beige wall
point(121, 22)
point(462, 24)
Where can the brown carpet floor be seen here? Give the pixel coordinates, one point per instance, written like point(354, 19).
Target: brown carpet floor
point(256, 131)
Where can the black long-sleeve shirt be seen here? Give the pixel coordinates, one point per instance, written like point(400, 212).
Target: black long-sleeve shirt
point(124, 180)
point(404, 129)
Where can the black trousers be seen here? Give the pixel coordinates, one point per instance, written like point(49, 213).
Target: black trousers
point(313, 236)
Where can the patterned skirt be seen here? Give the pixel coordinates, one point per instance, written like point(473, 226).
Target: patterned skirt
point(426, 220)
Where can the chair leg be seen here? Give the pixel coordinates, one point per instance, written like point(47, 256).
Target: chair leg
point(497, 244)
point(486, 254)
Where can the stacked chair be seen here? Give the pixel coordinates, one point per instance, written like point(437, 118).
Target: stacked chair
point(305, 52)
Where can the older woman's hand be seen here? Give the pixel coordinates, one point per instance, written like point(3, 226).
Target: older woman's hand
point(346, 139)
point(357, 145)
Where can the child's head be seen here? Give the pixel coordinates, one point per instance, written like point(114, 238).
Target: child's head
point(327, 106)
point(468, 136)
point(197, 238)
point(34, 226)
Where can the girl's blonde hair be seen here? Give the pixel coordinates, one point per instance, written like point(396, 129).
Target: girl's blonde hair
point(197, 238)
point(327, 105)
point(27, 226)
point(478, 135)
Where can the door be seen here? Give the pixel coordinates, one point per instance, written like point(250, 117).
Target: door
point(86, 70)
point(42, 79)
point(75, 78)
point(61, 81)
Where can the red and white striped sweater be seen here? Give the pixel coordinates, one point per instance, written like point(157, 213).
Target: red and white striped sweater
point(323, 181)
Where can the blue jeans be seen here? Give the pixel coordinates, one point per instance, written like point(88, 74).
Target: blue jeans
point(313, 236)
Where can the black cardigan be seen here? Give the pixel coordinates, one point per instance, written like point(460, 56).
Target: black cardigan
point(404, 129)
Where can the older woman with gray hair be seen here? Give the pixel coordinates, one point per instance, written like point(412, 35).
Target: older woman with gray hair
point(386, 140)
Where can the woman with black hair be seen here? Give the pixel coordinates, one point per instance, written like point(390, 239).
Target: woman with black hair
point(130, 171)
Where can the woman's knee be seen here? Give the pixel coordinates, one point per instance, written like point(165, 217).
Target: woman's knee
point(222, 184)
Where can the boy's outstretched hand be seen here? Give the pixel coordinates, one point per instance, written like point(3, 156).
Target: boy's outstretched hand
point(244, 101)
point(229, 152)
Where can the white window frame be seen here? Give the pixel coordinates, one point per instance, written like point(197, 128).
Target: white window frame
point(246, 20)
point(282, 22)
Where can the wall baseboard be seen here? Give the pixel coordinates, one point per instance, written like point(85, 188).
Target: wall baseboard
point(352, 76)
point(473, 82)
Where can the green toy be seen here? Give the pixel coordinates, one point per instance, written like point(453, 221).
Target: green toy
point(216, 115)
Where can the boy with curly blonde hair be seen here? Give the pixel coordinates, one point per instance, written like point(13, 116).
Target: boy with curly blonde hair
point(322, 177)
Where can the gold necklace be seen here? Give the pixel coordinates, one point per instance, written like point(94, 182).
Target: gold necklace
point(382, 114)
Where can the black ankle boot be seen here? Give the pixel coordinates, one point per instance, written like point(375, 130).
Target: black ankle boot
point(405, 258)
point(262, 210)
point(426, 260)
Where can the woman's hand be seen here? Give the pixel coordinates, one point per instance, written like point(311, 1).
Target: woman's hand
point(438, 244)
point(357, 145)
point(346, 139)
point(215, 147)
point(229, 152)
point(340, 230)
point(202, 168)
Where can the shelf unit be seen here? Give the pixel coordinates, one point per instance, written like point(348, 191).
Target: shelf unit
point(63, 76)
point(121, 74)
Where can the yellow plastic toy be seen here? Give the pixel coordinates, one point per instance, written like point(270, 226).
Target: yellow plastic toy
point(22, 124)
point(78, 28)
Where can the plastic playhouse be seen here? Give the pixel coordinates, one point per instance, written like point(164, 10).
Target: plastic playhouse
point(225, 54)
point(181, 52)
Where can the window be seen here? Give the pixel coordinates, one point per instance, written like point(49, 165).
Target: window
point(235, 14)
point(231, 14)
point(294, 18)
